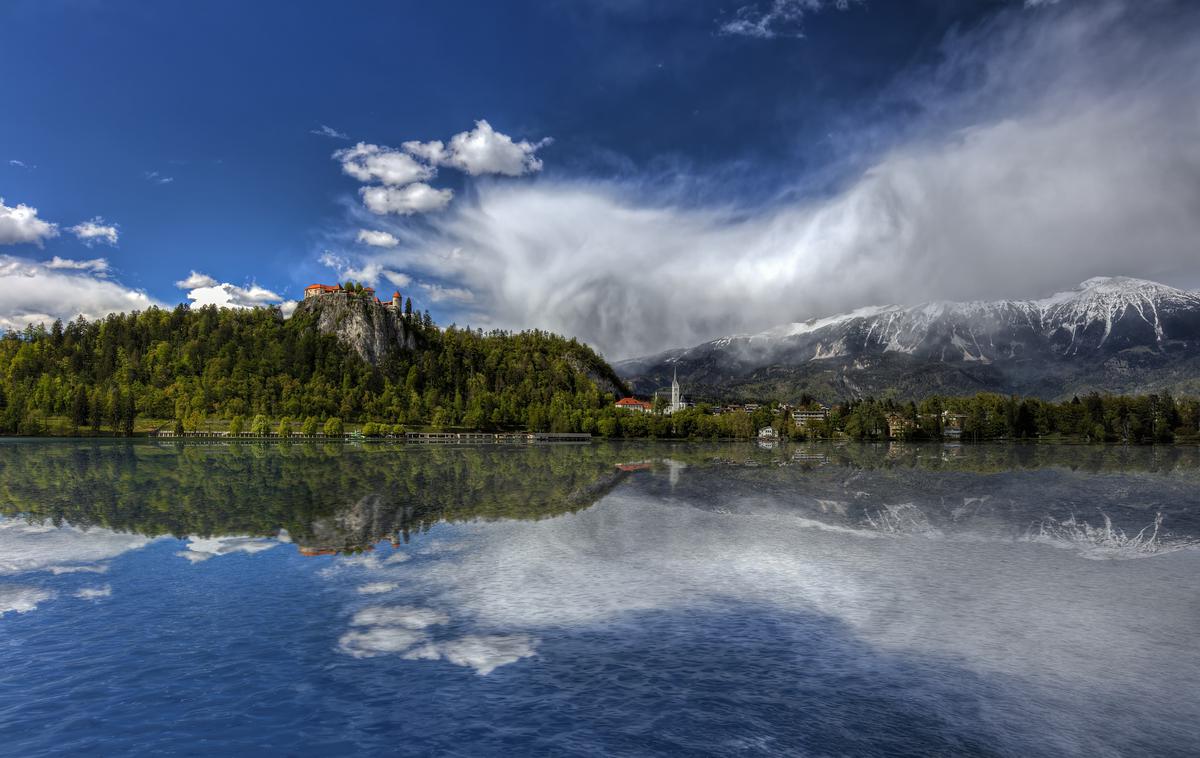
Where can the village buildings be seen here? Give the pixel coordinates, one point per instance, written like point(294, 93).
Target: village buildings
point(635, 405)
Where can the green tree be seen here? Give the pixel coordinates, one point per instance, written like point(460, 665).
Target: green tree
point(333, 427)
point(259, 426)
point(79, 408)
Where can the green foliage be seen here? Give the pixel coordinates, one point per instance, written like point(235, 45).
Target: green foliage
point(309, 427)
point(236, 425)
point(205, 364)
point(333, 427)
point(259, 427)
point(285, 427)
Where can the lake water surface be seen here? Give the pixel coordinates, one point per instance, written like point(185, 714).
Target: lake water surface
point(637, 599)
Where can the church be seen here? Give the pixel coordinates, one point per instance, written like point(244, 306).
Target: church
point(677, 402)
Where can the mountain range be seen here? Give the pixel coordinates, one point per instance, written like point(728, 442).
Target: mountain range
point(1110, 334)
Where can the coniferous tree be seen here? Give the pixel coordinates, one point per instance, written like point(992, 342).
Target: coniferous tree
point(79, 409)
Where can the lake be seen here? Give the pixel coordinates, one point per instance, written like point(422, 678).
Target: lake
point(602, 599)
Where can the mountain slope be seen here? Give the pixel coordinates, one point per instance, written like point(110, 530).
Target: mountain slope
point(1109, 334)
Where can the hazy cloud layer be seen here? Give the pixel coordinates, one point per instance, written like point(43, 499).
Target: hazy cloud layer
point(1053, 146)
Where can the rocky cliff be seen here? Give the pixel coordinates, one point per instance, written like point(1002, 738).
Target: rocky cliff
point(372, 329)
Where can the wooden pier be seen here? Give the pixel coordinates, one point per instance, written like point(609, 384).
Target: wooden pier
point(428, 438)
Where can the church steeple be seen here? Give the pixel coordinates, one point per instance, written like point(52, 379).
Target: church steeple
point(676, 398)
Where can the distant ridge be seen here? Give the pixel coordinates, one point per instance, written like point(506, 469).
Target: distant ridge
point(1115, 334)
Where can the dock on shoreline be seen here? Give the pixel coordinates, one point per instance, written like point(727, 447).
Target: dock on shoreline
point(430, 438)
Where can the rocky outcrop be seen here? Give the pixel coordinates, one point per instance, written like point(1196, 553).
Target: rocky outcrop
point(371, 329)
point(603, 377)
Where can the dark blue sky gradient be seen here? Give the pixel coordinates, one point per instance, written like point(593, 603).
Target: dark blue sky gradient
point(222, 96)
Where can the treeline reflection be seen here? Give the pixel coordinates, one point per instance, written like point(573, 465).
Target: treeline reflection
point(335, 497)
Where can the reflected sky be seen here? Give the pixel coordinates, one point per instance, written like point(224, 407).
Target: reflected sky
point(651, 598)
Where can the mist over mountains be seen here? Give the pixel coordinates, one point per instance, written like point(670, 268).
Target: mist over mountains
point(1110, 334)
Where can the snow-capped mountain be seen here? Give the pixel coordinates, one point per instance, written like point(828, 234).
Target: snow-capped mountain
point(1110, 333)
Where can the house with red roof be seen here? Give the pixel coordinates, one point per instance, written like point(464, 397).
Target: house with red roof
point(635, 405)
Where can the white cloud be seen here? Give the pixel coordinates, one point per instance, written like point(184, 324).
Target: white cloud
point(405, 630)
point(484, 653)
point(379, 641)
point(406, 616)
point(19, 164)
point(97, 266)
point(26, 547)
point(94, 231)
point(376, 238)
point(413, 198)
point(94, 593)
point(202, 549)
point(433, 152)
point(203, 290)
point(377, 588)
point(372, 163)
point(34, 291)
point(482, 150)
point(195, 279)
point(20, 224)
point(22, 599)
point(776, 18)
point(226, 295)
point(1071, 154)
point(157, 178)
point(328, 131)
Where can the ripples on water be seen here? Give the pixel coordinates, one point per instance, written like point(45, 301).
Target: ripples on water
point(599, 600)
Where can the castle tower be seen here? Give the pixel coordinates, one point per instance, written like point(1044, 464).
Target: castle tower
point(396, 300)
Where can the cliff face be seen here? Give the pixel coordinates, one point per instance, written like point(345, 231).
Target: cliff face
point(371, 329)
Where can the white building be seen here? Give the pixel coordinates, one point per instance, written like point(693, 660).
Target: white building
point(677, 403)
point(804, 418)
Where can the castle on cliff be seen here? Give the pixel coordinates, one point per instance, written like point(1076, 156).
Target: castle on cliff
point(320, 290)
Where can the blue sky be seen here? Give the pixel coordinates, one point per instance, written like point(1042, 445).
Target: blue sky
point(649, 174)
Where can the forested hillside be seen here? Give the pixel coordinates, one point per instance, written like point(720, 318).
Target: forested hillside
point(193, 365)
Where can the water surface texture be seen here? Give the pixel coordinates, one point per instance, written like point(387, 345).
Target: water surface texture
point(598, 599)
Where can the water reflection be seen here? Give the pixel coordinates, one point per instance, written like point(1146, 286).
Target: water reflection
point(334, 498)
point(643, 598)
